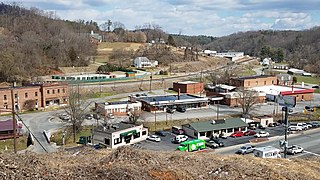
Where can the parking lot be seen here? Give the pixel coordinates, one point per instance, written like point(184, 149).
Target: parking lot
point(166, 145)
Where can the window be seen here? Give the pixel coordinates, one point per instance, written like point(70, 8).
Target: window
point(4, 97)
point(117, 141)
point(265, 82)
point(144, 133)
point(15, 95)
point(230, 130)
point(257, 82)
point(202, 133)
point(272, 82)
point(58, 91)
point(63, 90)
point(107, 141)
point(36, 94)
point(53, 91)
point(48, 91)
point(137, 135)
point(26, 95)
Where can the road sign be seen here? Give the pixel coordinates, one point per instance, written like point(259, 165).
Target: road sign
point(289, 101)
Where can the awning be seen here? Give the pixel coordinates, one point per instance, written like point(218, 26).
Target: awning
point(129, 133)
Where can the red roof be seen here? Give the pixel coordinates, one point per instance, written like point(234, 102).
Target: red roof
point(304, 91)
point(8, 125)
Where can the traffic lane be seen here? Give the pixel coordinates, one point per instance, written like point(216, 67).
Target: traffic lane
point(308, 139)
point(164, 145)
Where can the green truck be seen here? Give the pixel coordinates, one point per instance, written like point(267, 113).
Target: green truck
point(192, 145)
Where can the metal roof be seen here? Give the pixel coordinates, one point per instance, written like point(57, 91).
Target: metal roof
point(253, 77)
point(217, 125)
point(168, 98)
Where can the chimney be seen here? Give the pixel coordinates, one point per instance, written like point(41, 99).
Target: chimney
point(179, 94)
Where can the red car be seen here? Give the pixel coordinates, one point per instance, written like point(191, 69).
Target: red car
point(250, 133)
point(237, 134)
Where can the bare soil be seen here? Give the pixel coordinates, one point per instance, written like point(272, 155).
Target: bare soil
point(127, 163)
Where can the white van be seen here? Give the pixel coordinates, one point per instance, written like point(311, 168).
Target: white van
point(267, 152)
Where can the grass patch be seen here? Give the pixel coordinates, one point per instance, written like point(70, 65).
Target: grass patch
point(57, 136)
point(317, 91)
point(307, 79)
point(21, 144)
point(247, 72)
point(171, 91)
point(102, 94)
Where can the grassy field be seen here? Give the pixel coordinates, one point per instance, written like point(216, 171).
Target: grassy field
point(247, 72)
point(308, 80)
point(102, 94)
point(57, 137)
point(118, 45)
point(21, 144)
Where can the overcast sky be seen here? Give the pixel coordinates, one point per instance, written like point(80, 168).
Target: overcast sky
point(190, 17)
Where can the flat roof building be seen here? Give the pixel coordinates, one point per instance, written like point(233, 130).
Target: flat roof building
point(160, 103)
point(253, 81)
point(119, 108)
point(189, 87)
point(120, 134)
point(213, 128)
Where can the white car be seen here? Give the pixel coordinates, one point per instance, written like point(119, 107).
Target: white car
point(262, 134)
point(110, 116)
point(180, 138)
point(154, 138)
point(294, 149)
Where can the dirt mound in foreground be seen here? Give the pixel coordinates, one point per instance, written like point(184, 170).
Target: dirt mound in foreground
point(127, 163)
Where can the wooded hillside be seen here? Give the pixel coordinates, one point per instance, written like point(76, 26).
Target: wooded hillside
point(33, 42)
point(300, 49)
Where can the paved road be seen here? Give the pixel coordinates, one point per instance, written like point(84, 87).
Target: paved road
point(308, 139)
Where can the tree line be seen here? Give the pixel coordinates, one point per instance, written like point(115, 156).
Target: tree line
point(34, 42)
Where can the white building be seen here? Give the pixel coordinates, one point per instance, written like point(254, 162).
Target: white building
point(120, 134)
point(209, 52)
point(231, 55)
point(142, 62)
point(119, 108)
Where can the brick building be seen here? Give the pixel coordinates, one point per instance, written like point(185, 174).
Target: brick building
point(188, 87)
point(253, 81)
point(33, 96)
point(233, 99)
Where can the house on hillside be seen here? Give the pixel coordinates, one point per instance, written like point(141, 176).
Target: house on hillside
point(143, 62)
point(95, 38)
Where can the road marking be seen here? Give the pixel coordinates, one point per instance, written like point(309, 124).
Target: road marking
point(312, 153)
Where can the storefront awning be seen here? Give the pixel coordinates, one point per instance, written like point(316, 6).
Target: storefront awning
point(129, 133)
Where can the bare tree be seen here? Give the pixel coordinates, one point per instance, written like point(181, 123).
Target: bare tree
point(76, 108)
point(247, 100)
point(222, 76)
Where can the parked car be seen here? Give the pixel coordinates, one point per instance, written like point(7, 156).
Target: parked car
point(89, 116)
point(218, 141)
point(273, 124)
point(110, 116)
point(252, 127)
point(154, 138)
point(223, 136)
point(179, 138)
point(261, 127)
point(170, 110)
point(262, 134)
point(177, 130)
point(181, 109)
point(309, 108)
point(315, 124)
point(237, 134)
point(294, 149)
point(65, 116)
point(212, 144)
point(295, 127)
point(245, 149)
point(160, 133)
point(250, 133)
point(303, 125)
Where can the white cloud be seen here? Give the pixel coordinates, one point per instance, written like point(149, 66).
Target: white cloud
point(194, 17)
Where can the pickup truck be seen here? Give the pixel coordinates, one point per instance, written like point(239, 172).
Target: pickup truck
point(246, 149)
point(295, 149)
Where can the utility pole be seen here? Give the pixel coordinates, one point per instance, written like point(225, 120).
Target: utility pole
point(150, 83)
point(218, 111)
point(286, 130)
point(14, 122)
point(155, 119)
